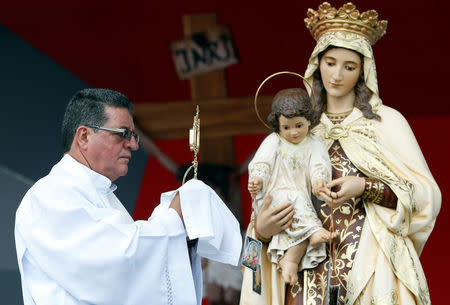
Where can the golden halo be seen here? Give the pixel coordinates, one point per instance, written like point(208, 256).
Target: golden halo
point(273, 75)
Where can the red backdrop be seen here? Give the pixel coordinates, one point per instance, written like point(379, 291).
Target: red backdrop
point(124, 46)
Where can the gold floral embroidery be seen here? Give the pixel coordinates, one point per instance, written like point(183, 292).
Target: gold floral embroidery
point(373, 191)
point(315, 280)
point(389, 298)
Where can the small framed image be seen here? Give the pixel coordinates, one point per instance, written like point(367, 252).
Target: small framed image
point(252, 253)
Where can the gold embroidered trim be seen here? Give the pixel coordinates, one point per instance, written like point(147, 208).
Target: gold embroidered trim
point(337, 117)
point(296, 289)
point(373, 191)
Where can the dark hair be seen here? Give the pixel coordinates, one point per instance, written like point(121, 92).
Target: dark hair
point(87, 107)
point(290, 103)
point(362, 92)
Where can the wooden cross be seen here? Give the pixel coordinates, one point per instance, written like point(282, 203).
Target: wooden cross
point(221, 117)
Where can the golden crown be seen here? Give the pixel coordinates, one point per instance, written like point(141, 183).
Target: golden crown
point(348, 19)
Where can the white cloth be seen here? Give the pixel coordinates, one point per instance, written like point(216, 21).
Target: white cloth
point(288, 171)
point(207, 218)
point(76, 244)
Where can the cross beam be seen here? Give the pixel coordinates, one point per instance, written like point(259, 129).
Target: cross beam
point(222, 117)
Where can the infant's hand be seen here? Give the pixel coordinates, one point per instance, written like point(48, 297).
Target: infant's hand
point(254, 186)
point(319, 186)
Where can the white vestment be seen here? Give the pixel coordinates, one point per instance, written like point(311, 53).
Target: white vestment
point(76, 243)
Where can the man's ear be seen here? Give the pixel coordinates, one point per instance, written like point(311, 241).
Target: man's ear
point(81, 137)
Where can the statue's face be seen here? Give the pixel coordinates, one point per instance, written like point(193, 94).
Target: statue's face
point(295, 129)
point(340, 69)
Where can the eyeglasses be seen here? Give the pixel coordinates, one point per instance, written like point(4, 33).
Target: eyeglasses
point(125, 133)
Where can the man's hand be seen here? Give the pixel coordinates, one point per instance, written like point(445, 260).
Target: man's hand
point(254, 186)
point(271, 221)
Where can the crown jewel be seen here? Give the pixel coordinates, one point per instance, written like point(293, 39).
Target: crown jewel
point(347, 18)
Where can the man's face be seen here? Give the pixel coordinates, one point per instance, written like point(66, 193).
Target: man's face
point(108, 153)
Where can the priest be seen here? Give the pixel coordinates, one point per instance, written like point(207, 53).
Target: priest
point(76, 243)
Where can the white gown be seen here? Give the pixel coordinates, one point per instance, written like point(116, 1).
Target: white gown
point(76, 243)
point(288, 172)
